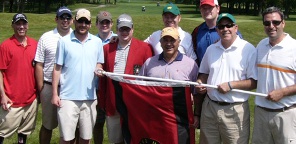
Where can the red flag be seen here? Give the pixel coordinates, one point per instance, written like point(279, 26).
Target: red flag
point(154, 112)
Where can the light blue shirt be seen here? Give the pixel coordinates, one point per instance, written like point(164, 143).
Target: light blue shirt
point(78, 61)
point(108, 39)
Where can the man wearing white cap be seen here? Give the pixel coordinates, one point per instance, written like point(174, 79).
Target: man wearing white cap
point(228, 64)
point(78, 58)
point(44, 58)
point(17, 82)
point(126, 56)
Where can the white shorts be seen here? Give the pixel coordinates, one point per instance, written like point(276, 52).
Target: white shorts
point(77, 113)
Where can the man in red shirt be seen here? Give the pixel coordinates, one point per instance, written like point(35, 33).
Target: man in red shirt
point(17, 82)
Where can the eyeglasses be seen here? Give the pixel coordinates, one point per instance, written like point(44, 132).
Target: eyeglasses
point(274, 22)
point(65, 18)
point(83, 21)
point(220, 26)
point(122, 29)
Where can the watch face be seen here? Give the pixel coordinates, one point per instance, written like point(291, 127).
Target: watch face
point(33, 63)
point(148, 141)
point(137, 69)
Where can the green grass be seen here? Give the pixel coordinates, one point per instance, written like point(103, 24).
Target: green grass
point(144, 24)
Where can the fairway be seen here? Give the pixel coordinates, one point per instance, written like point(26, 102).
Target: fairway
point(144, 24)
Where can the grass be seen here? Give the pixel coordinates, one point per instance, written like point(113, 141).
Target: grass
point(144, 24)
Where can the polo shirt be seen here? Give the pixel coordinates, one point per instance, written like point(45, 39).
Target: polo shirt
point(78, 61)
point(16, 61)
point(108, 39)
point(204, 38)
point(185, 47)
point(276, 69)
point(232, 64)
point(46, 50)
point(182, 68)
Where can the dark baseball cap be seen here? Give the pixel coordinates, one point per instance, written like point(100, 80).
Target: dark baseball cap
point(63, 10)
point(171, 8)
point(19, 16)
point(104, 15)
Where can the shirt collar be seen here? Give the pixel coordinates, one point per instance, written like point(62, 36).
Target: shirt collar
point(73, 37)
point(178, 58)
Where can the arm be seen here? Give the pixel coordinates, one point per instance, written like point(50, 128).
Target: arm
point(278, 94)
point(99, 68)
point(4, 99)
point(248, 84)
point(39, 76)
point(55, 82)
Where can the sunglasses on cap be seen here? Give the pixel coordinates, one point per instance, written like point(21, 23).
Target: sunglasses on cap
point(83, 21)
point(65, 17)
point(274, 22)
point(220, 26)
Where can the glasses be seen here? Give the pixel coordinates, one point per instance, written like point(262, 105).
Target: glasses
point(83, 21)
point(65, 18)
point(122, 29)
point(274, 22)
point(220, 26)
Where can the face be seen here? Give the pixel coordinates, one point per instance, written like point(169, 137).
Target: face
point(169, 45)
point(82, 26)
point(125, 33)
point(209, 12)
point(104, 26)
point(274, 26)
point(20, 28)
point(227, 30)
point(64, 22)
point(171, 20)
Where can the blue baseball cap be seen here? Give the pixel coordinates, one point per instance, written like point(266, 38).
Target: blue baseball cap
point(64, 10)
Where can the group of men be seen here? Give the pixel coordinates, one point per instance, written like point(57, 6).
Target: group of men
point(63, 70)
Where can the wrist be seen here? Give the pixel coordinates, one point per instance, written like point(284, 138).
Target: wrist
point(230, 87)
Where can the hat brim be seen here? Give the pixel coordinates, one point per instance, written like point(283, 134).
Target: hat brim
point(18, 19)
point(122, 24)
point(64, 12)
point(207, 3)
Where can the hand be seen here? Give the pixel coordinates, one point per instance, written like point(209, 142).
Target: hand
point(55, 100)
point(200, 89)
point(113, 39)
point(196, 122)
point(275, 95)
point(223, 88)
point(99, 72)
point(6, 102)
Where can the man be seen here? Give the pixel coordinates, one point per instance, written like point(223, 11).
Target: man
point(274, 118)
point(44, 58)
point(229, 64)
point(126, 56)
point(17, 82)
point(104, 24)
point(171, 17)
point(79, 55)
point(171, 63)
point(203, 36)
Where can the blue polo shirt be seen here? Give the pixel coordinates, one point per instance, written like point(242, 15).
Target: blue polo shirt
point(108, 39)
point(78, 62)
point(205, 37)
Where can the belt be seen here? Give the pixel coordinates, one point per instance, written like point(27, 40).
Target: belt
point(278, 110)
point(49, 83)
point(224, 103)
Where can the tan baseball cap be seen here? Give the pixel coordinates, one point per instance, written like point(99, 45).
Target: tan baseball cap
point(83, 13)
point(170, 31)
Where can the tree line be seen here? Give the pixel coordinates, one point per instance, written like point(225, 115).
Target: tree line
point(249, 7)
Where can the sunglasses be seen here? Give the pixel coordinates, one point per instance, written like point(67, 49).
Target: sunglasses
point(274, 22)
point(83, 21)
point(220, 26)
point(65, 18)
point(122, 29)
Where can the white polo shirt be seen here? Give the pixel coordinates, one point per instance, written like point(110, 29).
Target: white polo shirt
point(186, 46)
point(46, 50)
point(232, 64)
point(276, 69)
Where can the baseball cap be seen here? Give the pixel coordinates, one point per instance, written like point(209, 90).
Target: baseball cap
point(124, 20)
point(19, 16)
point(226, 15)
point(170, 31)
point(83, 13)
point(171, 8)
point(104, 15)
point(63, 10)
point(209, 2)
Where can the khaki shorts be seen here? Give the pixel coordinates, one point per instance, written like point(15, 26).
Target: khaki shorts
point(77, 113)
point(114, 128)
point(21, 119)
point(49, 111)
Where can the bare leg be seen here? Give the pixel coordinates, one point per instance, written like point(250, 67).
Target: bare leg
point(45, 135)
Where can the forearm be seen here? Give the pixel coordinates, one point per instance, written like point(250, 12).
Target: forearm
point(2, 92)
point(39, 75)
point(56, 78)
point(289, 90)
point(248, 84)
